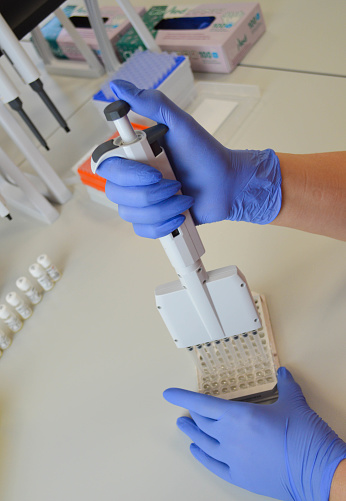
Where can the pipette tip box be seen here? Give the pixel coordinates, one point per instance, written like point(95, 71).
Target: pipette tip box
point(169, 73)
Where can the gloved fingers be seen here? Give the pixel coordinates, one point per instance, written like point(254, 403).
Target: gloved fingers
point(287, 386)
point(157, 213)
point(159, 230)
point(205, 405)
point(124, 172)
point(150, 103)
point(205, 424)
point(208, 444)
point(142, 196)
point(217, 467)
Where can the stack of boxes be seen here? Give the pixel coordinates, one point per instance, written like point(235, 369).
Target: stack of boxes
point(215, 37)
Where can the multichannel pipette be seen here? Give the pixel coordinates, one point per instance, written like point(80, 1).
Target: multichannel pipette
point(208, 313)
point(202, 307)
point(10, 95)
point(11, 47)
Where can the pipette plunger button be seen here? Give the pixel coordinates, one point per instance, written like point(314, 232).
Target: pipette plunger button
point(116, 110)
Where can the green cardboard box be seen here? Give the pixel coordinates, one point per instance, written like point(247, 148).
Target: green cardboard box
point(130, 42)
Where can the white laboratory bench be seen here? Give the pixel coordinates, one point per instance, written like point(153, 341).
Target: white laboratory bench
point(304, 36)
point(81, 409)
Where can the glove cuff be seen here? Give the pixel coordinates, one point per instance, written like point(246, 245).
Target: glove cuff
point(260, 200)
point(269, 172)
point(327, 477)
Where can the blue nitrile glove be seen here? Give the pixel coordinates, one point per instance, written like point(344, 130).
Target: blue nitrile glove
point(283, 450)
point(220, 183)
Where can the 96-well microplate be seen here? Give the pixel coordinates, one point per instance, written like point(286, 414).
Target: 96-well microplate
point(240, 367)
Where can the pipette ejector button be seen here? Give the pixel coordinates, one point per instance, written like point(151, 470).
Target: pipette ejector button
point(116, 110)
point(153, 135)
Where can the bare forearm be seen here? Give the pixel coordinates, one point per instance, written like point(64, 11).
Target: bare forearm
point(338, 487)
point(314, 193)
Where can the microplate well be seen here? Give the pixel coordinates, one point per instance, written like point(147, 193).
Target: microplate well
point(240, 367)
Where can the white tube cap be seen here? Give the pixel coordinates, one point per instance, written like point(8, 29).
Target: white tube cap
point(23, 284)
point(4, 311)
point(36, 270)
point(13, 299)
point(44, 260)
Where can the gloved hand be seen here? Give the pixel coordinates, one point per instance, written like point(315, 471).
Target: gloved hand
point(283, 450)
point(220, 183)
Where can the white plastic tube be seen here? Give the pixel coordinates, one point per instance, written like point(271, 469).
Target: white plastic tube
point(41, 276)
point(29, 290)
point(49, 267)
point(19, 305)
point(5, 341)
point(13, 322)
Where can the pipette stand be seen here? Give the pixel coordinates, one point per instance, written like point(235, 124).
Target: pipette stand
point(21, 194)
point(90, 68)
point(107, 52)
point(109, 57)
point(58, 192)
